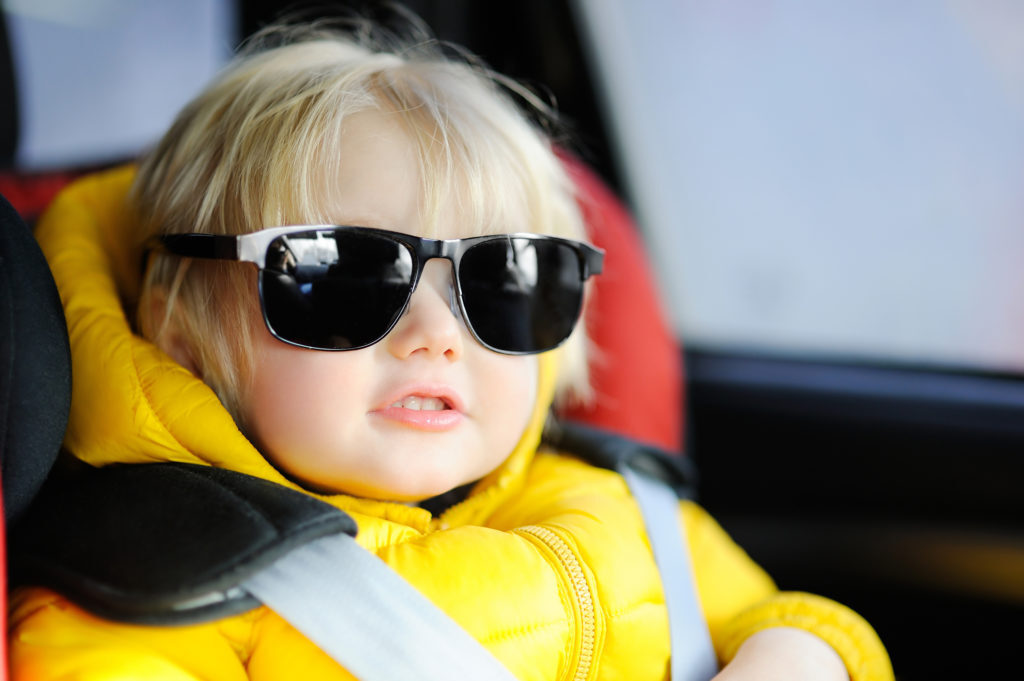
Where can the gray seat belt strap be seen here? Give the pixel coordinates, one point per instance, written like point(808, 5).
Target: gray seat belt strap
point(368, 618)
point(693, 655)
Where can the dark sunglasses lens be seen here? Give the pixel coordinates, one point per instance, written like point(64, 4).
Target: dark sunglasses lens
point(521, 295)
point(335, 289)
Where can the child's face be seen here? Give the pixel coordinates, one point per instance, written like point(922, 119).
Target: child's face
point(424, 410)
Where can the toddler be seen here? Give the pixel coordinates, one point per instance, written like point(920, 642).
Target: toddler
point(365, 269)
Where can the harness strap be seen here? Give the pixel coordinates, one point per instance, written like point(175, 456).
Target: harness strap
point(368, 618)
point(693, 655)
point(371, 607)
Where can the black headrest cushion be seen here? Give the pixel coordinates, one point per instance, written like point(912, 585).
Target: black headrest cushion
point(35, 365)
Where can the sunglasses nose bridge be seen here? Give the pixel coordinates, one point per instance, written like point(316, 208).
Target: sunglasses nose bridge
point(439, 249)
point(430, 249)
point(444, 249)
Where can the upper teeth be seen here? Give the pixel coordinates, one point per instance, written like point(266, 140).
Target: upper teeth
point(417, 403)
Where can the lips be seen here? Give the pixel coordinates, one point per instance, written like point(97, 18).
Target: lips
point(431, 408)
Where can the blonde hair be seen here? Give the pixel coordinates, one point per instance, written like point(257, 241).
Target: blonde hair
point(254, 150)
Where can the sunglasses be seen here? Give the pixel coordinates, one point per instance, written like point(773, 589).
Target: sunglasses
point(344, 288)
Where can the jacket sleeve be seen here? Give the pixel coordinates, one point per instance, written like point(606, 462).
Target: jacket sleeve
point(739, 599)
point(52, 639)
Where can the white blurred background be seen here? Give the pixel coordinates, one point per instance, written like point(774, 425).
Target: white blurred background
point(98, 80)
point(834, 178)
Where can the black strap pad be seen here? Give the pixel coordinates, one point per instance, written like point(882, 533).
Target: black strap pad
point(162, 543)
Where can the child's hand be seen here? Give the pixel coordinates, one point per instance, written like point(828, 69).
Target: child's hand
point(784, 653)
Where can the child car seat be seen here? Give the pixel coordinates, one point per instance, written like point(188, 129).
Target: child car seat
point(636, 354)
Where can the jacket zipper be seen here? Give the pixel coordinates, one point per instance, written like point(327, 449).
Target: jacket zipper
point(581, 590)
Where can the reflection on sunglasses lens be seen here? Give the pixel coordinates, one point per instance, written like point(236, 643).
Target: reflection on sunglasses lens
point(521, 295)
point(340, 290)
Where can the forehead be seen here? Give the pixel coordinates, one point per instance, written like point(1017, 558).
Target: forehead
point(376, 179)
point(391, 174)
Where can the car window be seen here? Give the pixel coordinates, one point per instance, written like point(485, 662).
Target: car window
point(98, 81)
point(839, 179)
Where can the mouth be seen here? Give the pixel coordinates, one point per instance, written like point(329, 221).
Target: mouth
point(432, 408)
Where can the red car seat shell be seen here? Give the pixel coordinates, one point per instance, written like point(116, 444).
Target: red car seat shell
point(637, 368)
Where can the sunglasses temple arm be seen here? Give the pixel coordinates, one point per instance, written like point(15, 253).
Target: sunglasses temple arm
point(209, 246)
point(593, 261)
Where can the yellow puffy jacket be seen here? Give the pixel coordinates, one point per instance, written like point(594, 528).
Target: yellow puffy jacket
point(546, 562)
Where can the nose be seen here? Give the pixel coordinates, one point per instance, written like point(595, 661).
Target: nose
point(429, 326)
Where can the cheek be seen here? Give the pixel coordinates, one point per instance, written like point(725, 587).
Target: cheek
point(296, 398)
point(275, 400)
point(511, 385)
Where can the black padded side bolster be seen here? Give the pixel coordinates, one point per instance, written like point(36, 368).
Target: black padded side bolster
point(35, 364)
point(605, 449)
point(162, 543)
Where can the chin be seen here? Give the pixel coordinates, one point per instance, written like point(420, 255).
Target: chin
point(409, 491)
point(413, 496)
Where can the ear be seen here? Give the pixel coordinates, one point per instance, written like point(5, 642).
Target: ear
point(167, 332)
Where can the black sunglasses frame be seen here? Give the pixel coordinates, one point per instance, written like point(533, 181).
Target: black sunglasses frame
point(253, 248)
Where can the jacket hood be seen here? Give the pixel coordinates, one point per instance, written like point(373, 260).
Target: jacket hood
point(131, 403)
